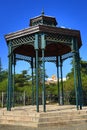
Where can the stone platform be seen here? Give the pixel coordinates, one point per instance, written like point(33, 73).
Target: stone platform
point(54, 116)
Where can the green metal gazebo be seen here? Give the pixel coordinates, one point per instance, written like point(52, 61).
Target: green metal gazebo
point(45, 42)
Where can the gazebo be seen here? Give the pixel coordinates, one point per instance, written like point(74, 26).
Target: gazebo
point(44, 42)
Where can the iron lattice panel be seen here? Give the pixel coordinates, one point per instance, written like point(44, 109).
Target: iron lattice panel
point(47, 59)
point(39, 22)
point(57, 38)
point(50, 59)
point(66, 56)
point(22, 57)
point(29, 39)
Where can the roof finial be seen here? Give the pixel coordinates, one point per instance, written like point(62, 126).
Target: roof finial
point(42, 12)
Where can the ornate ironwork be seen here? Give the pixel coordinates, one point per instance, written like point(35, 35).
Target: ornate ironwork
point(58, 38)
point(29, 40)
point(50, 59)
point(22, 57)
point(66, 56)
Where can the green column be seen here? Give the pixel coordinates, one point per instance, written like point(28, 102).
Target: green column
point(80, 96)
point(75, 66)
point(13, 81)
point(61, 89)
point(57, 65)
point(43, 83)
point(37, 80)
point(75, 79)
point(43, 44)
point(9, 89)
point(13, 78)
point(32, 81)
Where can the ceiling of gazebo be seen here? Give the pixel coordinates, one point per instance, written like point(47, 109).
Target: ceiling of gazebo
point(50, 50)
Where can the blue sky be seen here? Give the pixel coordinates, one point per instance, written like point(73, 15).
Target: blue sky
point(15, 15)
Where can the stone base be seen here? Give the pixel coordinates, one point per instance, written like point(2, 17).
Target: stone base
point(55, 116)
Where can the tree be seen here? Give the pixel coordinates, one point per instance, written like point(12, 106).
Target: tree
point(3, 82)
point(69, 84)
point(22, 80)
point(0, 70)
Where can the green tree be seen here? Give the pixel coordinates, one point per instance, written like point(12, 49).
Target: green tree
point(69, 84)
point(3, 82)
point(23, 84)
point(0, 70)
point(22, 80)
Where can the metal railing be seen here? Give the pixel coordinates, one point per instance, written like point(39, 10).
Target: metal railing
point(23, 98)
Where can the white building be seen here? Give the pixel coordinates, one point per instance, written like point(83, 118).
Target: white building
point(53, 79)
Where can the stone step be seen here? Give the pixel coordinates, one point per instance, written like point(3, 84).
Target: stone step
point(54, 117)
point(60, 122)
point(42, 123)
point(19, 123)
point(43, 116)
point(73, 113)
point(51, 119)
point(19, 113)
point(20, 118)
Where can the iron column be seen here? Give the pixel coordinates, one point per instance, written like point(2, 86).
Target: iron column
point(37, 82)
point(14, 63)
point(79, 76)
point(9, 89)
point(61, 89)
point(32, 81)
point(57, 65)
point(43, 44)
point(74, 50)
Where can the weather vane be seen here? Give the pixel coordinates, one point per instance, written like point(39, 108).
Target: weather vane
point(42, 12)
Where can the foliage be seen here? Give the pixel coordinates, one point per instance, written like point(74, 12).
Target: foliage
point(3, 78)
point(52, 89)
point(22, 79)
point(69, 84)
point(3, 82)
point(3, 85)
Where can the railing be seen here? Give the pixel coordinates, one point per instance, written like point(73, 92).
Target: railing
point(3, 97)
point(19, 99)
point(23, 98)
